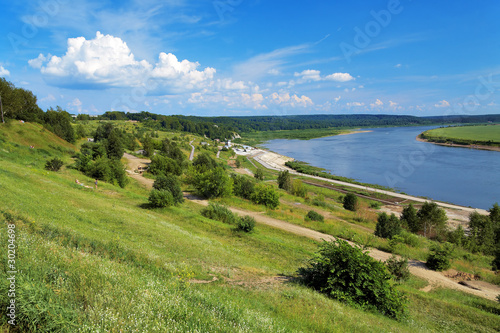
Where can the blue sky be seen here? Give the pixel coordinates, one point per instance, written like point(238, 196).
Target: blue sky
point(252, 57)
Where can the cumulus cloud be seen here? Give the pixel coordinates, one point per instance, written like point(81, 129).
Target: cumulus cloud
point(377, 104)
point(4, 72)
point(442, 104)
point(313, 75)
point(355, 104)
point(107, 61)
point(284, 99)
point(398, 66)
point(76, 104)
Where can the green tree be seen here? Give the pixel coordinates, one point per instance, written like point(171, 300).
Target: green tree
point(298, 188)
point(160, 198)
point(439, 257)
point(204, 162)
point(259, 174)
point(172, 184)
point(284, 180)
point(482, 232)
point(387, 226)
point(350, 202)
point(431, 217)
point(213, 183)
point(171, 150)
point(114, 145)
point(164, 165)
point(54, 164)
point(266, 195)
point(346, 273)
point(80, 131)
point(148, 146)
point(243, 186)
point(410, 219)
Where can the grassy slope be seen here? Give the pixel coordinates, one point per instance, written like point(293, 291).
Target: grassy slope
point(97, 260)
point(480, 133)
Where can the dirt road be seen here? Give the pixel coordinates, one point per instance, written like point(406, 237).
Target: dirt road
point(416, 267)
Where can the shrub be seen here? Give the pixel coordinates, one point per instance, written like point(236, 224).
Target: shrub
point(266, 195)
point(54, 164)
point(387, 226)
point(409, 238)
point(398, 268)
point(160, 198)
point(284, 180)
point(213, 183)
point(171, 184)
point(439, 258)
point(298, 188)
point(350, 202)
point(243, 186)
point(219, 213)
point(259, 174)
point(350, 275)
point(246, 223)
point(314, 216)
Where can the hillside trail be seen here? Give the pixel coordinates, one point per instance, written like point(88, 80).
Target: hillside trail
point(416, 267)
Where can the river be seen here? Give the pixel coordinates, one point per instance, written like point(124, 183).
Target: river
point(393, 157)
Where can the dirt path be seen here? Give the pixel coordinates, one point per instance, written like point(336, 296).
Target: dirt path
point(416, 267)
point(133, 164)
point(191, 155)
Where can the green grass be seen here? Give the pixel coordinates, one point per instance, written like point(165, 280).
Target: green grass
point(479, 134)
point(256, 138)
point(98, 261)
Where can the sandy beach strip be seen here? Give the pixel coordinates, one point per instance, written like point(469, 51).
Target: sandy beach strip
point(480, 147)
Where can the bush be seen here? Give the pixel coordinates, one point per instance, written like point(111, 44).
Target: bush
point(350, 202)
point(213, 183)
point(246, 223)
point(298, 188)
point(314, 216)
point(350, 275)
point(387, 226)
point(219, 213)
point(439, 258)
point(284, 180)
point(398, 268)
point(160, 198)
point(54, 164)
point(171, 184)
point(259, 174)
point(243, 186)
point(266, 195)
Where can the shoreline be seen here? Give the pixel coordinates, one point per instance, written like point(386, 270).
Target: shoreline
point(355, 132)
point(478, 147)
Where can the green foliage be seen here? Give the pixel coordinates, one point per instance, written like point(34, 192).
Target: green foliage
point(171, 150)
point(398, 268)
point(54, 164)
point(314, 216)
point(164, 165)
point(19, 103)
point(431, 217)
point(496, 261)
point(266, 195)
point(409, 218)
point(204, 162)
point(161, 198)
point(148, 146)
point(482, 233)
point(246, 223)
point(298, 188)
point(243, 186)
point(59, 122)
point(284, 180)
point(439, 257)
point(457, 236)
point(219, 213)
point(387, 226)
point(80, 132)
point(350, 202)
point(348, 274)
point(213, 183)
point(259, 174)
point(172, 184)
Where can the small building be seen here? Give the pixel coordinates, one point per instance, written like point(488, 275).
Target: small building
point(90, 139)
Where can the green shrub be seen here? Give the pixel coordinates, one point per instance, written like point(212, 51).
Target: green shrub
point(387, 226)
point(246, 223)
point(266, 195)
point(259, 174)
point(409, 238)
point(160, 198)
point(219, 213)
point(398, 268)
point(350, 275)
point(350, 202)
point(171, 184)
point(314, 216)
point(439, 258)
point(54, 164)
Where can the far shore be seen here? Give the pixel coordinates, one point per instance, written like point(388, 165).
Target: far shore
point(354, 132)
point(480, 147)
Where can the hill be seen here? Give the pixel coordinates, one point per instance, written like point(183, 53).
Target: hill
point(98, 260)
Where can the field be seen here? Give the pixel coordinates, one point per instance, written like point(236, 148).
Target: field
point(480, 134)
point(98, 260)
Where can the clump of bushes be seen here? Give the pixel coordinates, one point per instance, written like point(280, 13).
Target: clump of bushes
point(350, 275)
point(350, 202)
point(314, 216)
point(246, 223)
point(439, 258)
point(54, 164)
point(398, 268)
point(160, 198)
point(265, 195)
point(219, 213)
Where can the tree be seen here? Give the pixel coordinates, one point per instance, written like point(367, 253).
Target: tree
point(160, 198)
point(410, 219)
point(298, 188)
point(54, 164)
point(204, 162)
point(164, 165)
point(148, 146)
point(1, 108)
point(351, 202)
point(284, 180)
point(482, 232)
point(213, 183)
point(346, 273)
point(170, 149)
point(114, 145)
point(387, 226)
point(266, 195)
point(259, 174)
point(172, 184)
point(80, 131)
point(243, 186)
point(431, 216)
point(439, 257)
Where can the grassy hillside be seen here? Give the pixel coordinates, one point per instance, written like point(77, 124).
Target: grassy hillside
point(92, 260)
point(481, 134)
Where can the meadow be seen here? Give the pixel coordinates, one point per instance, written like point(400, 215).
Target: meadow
point(479, 134)
point(99, 261)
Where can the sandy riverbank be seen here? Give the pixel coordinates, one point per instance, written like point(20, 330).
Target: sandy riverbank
point(355, 132)
point(480, 147)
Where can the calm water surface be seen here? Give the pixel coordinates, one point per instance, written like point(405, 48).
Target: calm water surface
point(392, 157)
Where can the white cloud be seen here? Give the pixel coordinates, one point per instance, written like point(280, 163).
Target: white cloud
point(398, 66)
point(107, 61)
point(309, 75)
point(336, 99)
point(76, 104)
point(442, 104)
point(377, 104)
point(284, 99)
point(393, 104)
point(4, 72)
point(355, 104)
point(49, 98)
